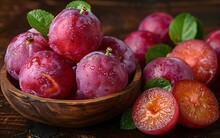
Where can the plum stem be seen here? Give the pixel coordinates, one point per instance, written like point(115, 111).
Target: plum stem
point(29, 40)
point(83, 9)
point(108, 51)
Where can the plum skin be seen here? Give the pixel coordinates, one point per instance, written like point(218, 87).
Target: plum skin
point(201, 58)
point(20, 48)
point(158, 23)
point(172, 69)
point(153, 103)
point(46, 74)
point(140, 42)
point(213, 39)
point(123, 52)
point(73, 35)
point(99, 75)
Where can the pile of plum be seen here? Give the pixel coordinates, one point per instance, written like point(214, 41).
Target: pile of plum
point(191, 66)
point(77, 61)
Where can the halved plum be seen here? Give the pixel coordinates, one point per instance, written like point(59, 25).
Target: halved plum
point(155, 112)
point(198, 105)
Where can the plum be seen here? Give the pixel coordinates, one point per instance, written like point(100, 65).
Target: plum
point(158, 23)
point(198, 105)
point(213, 39)
point(155, 111)
point(172, 69)
point(21, 47)
point(47, 74)
point(74, 33)
point(201, 58)
point(124, 53)
point(140, 42)
point(99, 74)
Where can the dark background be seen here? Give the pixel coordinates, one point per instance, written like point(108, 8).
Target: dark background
point(118, 18)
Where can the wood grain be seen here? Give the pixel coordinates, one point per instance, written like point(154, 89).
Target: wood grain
point(69, 113)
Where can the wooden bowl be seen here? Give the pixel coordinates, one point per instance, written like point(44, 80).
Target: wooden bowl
point(69, 113)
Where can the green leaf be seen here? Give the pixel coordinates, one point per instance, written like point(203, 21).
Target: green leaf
point(158, 82)
point(40, 20)
point(126, 121)
point(79, 4)
point(182, 28)
point(159, 50)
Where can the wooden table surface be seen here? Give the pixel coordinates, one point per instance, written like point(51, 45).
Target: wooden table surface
point(118, 18)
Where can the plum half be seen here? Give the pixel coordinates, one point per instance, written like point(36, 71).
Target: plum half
point(155, 112)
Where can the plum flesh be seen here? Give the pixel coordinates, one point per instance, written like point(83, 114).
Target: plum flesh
point(155, 112)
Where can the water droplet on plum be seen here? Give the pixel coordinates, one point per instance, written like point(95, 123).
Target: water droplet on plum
point(29, 65)
point(92, 67)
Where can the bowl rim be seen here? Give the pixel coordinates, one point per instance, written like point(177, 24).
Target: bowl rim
point(15, 91)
